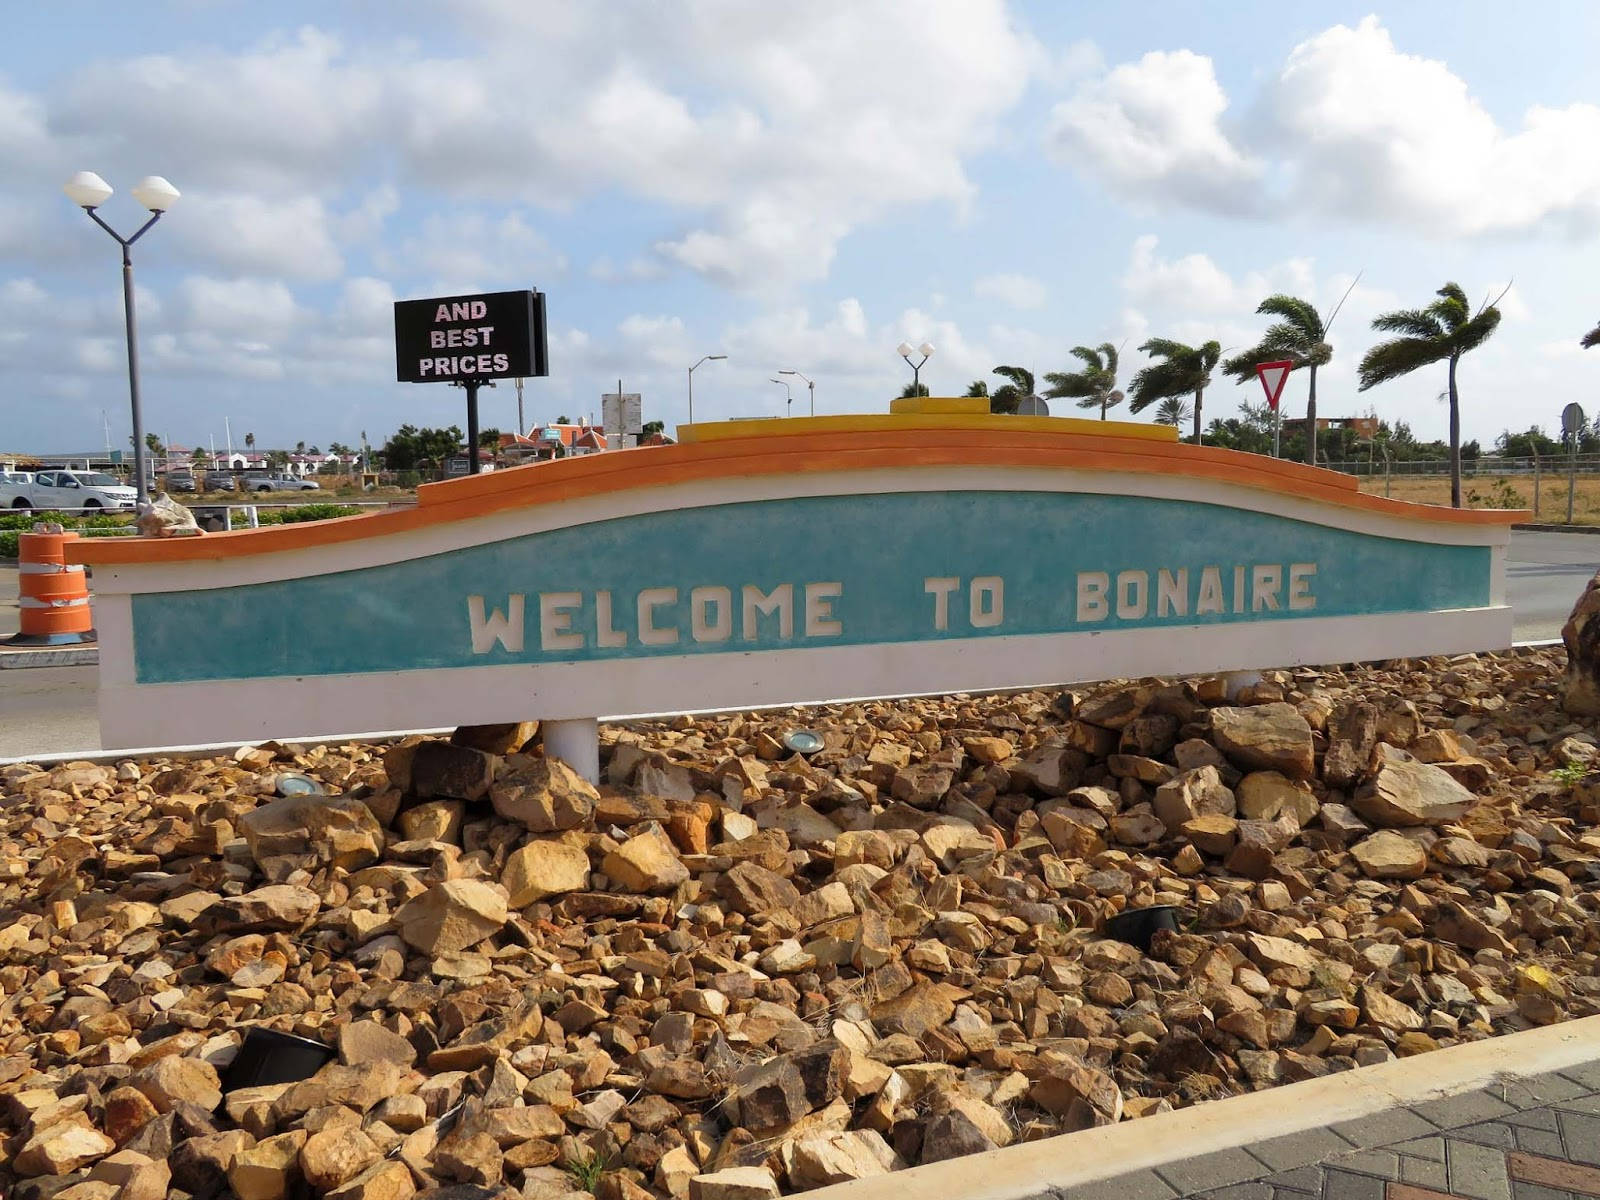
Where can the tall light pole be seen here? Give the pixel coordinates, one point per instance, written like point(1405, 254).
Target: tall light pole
point(705, 359)
point(904, 350)
point(811, 386)
point(88, 191)
point(788, 396)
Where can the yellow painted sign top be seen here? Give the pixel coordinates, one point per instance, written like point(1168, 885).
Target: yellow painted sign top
point(925, 412)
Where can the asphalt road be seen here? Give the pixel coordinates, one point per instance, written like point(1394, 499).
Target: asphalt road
point(51, 710)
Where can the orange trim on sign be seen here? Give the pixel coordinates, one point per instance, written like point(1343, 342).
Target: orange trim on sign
point(805, 454)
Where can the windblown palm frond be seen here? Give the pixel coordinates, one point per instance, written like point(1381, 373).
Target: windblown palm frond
point(1095, 386)
point(1592, 338)
point(1004, 399)
point(1442, 332)
point(1178, 371)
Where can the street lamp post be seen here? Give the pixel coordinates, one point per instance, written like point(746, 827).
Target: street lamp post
point(88, 191)
point(704, 359)
point(809, 385)
point(904, 350)
point(788, 396)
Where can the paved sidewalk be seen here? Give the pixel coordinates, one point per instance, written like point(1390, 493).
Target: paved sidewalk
point(1533, 1138)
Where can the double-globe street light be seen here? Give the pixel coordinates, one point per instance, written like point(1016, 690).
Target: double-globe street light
point(809, 385)
point(904, 350)
point(704, 359)
point(88, 191)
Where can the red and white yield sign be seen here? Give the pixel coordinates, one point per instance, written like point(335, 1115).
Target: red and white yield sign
point(1273, 376)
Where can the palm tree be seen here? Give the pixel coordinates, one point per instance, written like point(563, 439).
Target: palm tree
point(1182, 369)
point(1174, 411)
point(1592, 338)
point(1005, 398)
point(249, 441)
point(913, 389)
point(978, 388)
point(1442, 332)
point(1300, 336)
point(1093, 387)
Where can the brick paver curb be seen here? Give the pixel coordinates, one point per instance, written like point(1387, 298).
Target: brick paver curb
point(1443, 1122)
point(1522, 1138)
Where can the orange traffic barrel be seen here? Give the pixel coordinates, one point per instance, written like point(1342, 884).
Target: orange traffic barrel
point(52, 593)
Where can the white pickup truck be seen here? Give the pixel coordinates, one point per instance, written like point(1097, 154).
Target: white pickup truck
point(66, 491)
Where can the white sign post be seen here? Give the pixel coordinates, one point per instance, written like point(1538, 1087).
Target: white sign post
point(622, 415)
point(1572, 429)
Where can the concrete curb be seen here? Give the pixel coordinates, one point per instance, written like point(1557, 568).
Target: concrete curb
point(15, 658)
point(1071, 1160)
point(1541, 528)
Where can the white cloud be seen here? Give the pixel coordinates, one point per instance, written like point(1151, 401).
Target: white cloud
point(468, 250)
point(1018, 291)
point(766, 134)
point(1350, 129)
point(1194, 283)
point(1372, 133)
point(1153, 130)
point(240, 307)
point(253, 234)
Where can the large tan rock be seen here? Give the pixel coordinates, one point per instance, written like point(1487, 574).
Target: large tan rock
point(820, 1159)
point(1263, 795)
point(335, 1154)
point(544, 794)
point(1403, 791)
point(1266, 737)
point(62, 1148)
point(307, 832)
point(1390, 855)
point(269, 1169)
point(1191, 794)
point(735, 1183)
point(136, 1176)
point(452, 916)
point(646, 862)
point(1580, 686)
point(389, 1180)
point(172, 1080)
point(542, 869)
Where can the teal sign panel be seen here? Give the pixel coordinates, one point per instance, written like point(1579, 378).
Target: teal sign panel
point(821, 571)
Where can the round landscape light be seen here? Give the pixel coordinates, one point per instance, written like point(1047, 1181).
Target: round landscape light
point(926, 349)
point(87, 190)
point(903, 349)
point(292, 783)
point(154, 193)
point(803, 741)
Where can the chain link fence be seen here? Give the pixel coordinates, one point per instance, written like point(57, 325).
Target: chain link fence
point(1471, 468)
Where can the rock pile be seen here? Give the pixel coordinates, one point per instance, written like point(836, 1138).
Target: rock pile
point(728, 972)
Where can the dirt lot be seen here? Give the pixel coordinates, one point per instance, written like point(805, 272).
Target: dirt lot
point(1500, 491)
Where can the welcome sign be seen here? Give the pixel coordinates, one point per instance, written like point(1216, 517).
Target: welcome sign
point(889, 558)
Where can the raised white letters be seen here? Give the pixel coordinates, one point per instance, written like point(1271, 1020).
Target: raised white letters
point(606, 633)
point(756, 604)
point(820, 621)
point(1266, 580)
point(1300, 597)
point(986, 602)
point(649, 600)
point(505, 628)
point(1092, 589)
point(711, 614)
point(1133, 595)
point(555, 621)
point(940, 587)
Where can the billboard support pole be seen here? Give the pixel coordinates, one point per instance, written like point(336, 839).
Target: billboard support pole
point(472, 426)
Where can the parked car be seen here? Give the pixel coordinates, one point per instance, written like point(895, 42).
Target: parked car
point(67, 491)
point(181, 481)
point(280, 483)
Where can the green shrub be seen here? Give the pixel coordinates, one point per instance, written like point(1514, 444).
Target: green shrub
point(304, 512)
point(8, 542)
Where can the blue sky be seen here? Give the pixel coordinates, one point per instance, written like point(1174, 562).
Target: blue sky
point(796, 189)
